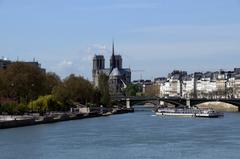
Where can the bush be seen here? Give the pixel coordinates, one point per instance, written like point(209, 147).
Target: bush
point(47, 103)
point(10, 108)
point(22, 108)
point(38, 105)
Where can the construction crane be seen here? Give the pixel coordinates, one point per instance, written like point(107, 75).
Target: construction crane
point(139, 71)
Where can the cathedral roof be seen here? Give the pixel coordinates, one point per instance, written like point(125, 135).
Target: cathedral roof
point(115, 72)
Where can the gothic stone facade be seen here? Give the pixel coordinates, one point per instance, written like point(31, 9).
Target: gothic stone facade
point(118, 77)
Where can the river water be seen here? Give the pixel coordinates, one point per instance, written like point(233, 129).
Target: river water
point(138, 135)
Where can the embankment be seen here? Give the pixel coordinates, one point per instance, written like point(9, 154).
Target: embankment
point(20, 121)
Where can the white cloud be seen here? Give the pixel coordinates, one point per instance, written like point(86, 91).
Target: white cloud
point(79, 63)
point(96, 49)
point(65, 63)
point(87, 58)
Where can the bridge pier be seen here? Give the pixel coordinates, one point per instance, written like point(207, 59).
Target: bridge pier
point(128, 103)
point(188, 102)
point(161, 103)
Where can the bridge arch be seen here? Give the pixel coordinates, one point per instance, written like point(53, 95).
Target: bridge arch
point(233, 103)
point(155, 103)
point(175, 103)
point(130, 101)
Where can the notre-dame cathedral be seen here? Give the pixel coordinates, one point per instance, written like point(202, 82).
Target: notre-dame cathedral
point(119, 77)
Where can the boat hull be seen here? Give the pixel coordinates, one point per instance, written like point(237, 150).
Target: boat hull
point(175, 114)
point(207, 113)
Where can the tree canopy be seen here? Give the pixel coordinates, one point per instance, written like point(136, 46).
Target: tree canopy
point(132, 90)
point(104, 90)
point(22, 81)
point(76, 89)
point(25, 88)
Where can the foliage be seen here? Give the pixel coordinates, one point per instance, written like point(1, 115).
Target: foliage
point(76, 89)
point(22, 81)
point(46, 103)
point(132, 90)
point(38, 105)
point(13, 108)
point(61, 94)
point(10, 108)
point(52, 81)
point(104, 90)
point(22, 108)
point(31, 89)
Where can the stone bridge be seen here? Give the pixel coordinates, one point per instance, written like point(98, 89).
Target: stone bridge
point(132, 100)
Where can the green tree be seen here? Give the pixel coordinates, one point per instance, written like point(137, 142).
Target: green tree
point(47, 103)
point(61, 93)
point(132, 90)
point(22, 108)
point(52, 80)
point(23, 81)
point(38, 105)
point(9, 108)
point(96, 97)
point(76, 89)
point(4, 84)
point(104, 90)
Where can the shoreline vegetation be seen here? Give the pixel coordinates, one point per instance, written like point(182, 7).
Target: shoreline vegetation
point(30, 96)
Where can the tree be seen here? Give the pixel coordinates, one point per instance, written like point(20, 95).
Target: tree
point(10, 108)
point(75, 89)
point(47, 103)
point(61, 94)
point(104, 90)
point(3, 84)
point(132, 90)
point(52, 80)
point(23, 81)
point(96, 97)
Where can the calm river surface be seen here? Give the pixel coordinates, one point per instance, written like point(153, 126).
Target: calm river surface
point(138, 135)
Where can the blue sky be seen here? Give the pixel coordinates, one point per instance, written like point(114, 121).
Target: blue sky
point(156, 36)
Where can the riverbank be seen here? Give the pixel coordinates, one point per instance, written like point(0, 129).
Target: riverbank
point(7, 121)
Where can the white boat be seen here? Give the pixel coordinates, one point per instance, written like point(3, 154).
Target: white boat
point(210, 113)
point(188, 112)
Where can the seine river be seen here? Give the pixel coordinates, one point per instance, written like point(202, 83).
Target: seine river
point(138, 135)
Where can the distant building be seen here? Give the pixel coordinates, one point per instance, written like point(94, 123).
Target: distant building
point(236, 70)
point(138, 82)
point(218, 84)
point(188, 87)
point(151, 89)
point(4, 63)
point(119, 77)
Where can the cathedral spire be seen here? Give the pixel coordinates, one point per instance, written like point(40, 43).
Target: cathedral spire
point(113, 49)
point(113, 60)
